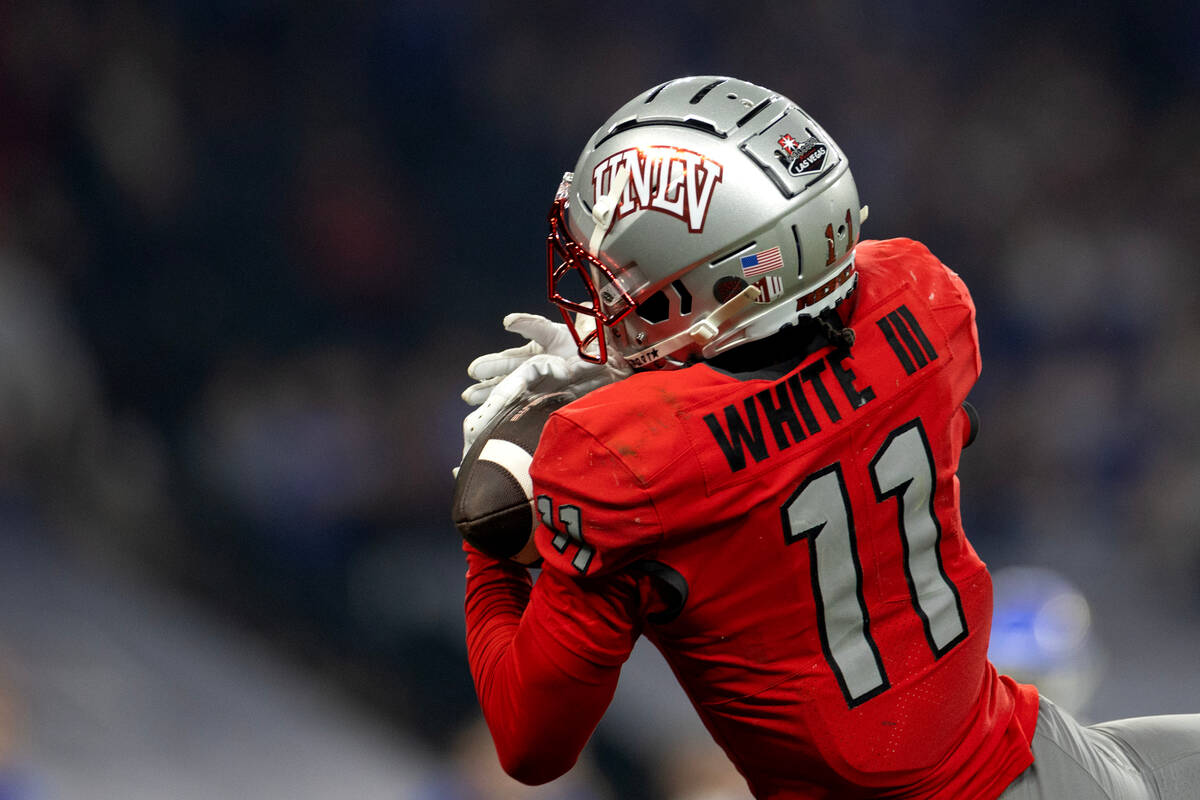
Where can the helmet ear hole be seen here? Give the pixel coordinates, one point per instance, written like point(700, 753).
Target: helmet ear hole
point(655, 308)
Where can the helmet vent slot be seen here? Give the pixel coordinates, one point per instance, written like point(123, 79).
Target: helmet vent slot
point(690, 122)
point(650, 97)
point(696, 98)
point(685, 297)
point(655, 308)
point(726, 256)
point(799, 253)
point(702, 125)
point(754, 112)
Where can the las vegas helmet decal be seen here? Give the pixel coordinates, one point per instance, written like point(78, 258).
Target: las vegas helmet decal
point(662, 178)
point(802, 156)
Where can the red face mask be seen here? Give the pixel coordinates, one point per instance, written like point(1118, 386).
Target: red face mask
point(571, 273)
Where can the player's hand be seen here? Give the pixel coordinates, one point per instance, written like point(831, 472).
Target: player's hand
point(543, 336)
point(547, 362)
point(528, 378)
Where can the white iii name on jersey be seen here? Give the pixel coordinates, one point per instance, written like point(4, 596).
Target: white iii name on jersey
point(667, 179)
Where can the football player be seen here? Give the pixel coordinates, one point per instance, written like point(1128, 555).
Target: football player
point(759, 477)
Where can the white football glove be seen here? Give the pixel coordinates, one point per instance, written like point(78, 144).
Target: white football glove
point(548, 362)
point(544, 337)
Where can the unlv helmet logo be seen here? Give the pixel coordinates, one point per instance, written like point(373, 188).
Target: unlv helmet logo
point(661, 178)
point(802, 157)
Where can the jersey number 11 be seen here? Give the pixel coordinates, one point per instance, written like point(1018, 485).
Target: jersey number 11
point(819, 513)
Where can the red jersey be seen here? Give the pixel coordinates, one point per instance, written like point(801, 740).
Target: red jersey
point(826, 615)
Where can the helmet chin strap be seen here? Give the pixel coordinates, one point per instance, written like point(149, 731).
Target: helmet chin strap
point(701, 332)
point(605, 207)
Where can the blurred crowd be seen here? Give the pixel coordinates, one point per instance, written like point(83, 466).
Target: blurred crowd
point(247, 249)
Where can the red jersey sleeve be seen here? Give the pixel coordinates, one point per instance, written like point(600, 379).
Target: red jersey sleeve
point(595, 513)
point(545, 658)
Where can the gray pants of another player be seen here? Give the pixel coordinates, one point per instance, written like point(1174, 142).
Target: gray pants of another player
point(1147, 758)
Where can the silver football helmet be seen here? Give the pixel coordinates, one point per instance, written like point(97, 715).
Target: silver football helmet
point(705, 213)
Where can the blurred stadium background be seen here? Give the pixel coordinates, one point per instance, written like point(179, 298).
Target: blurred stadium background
point(247, 248)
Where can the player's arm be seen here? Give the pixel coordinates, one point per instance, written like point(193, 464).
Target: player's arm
point(545, 659)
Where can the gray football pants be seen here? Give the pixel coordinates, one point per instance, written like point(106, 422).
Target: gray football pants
point(1145, 758)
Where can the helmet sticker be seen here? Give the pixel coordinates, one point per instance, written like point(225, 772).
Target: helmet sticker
point(759, 263)
point(769, 287)
point(821, 292)
point(662, 178)
point(801, 157)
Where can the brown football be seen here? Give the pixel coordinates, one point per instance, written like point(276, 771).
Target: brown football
point(493, 494)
